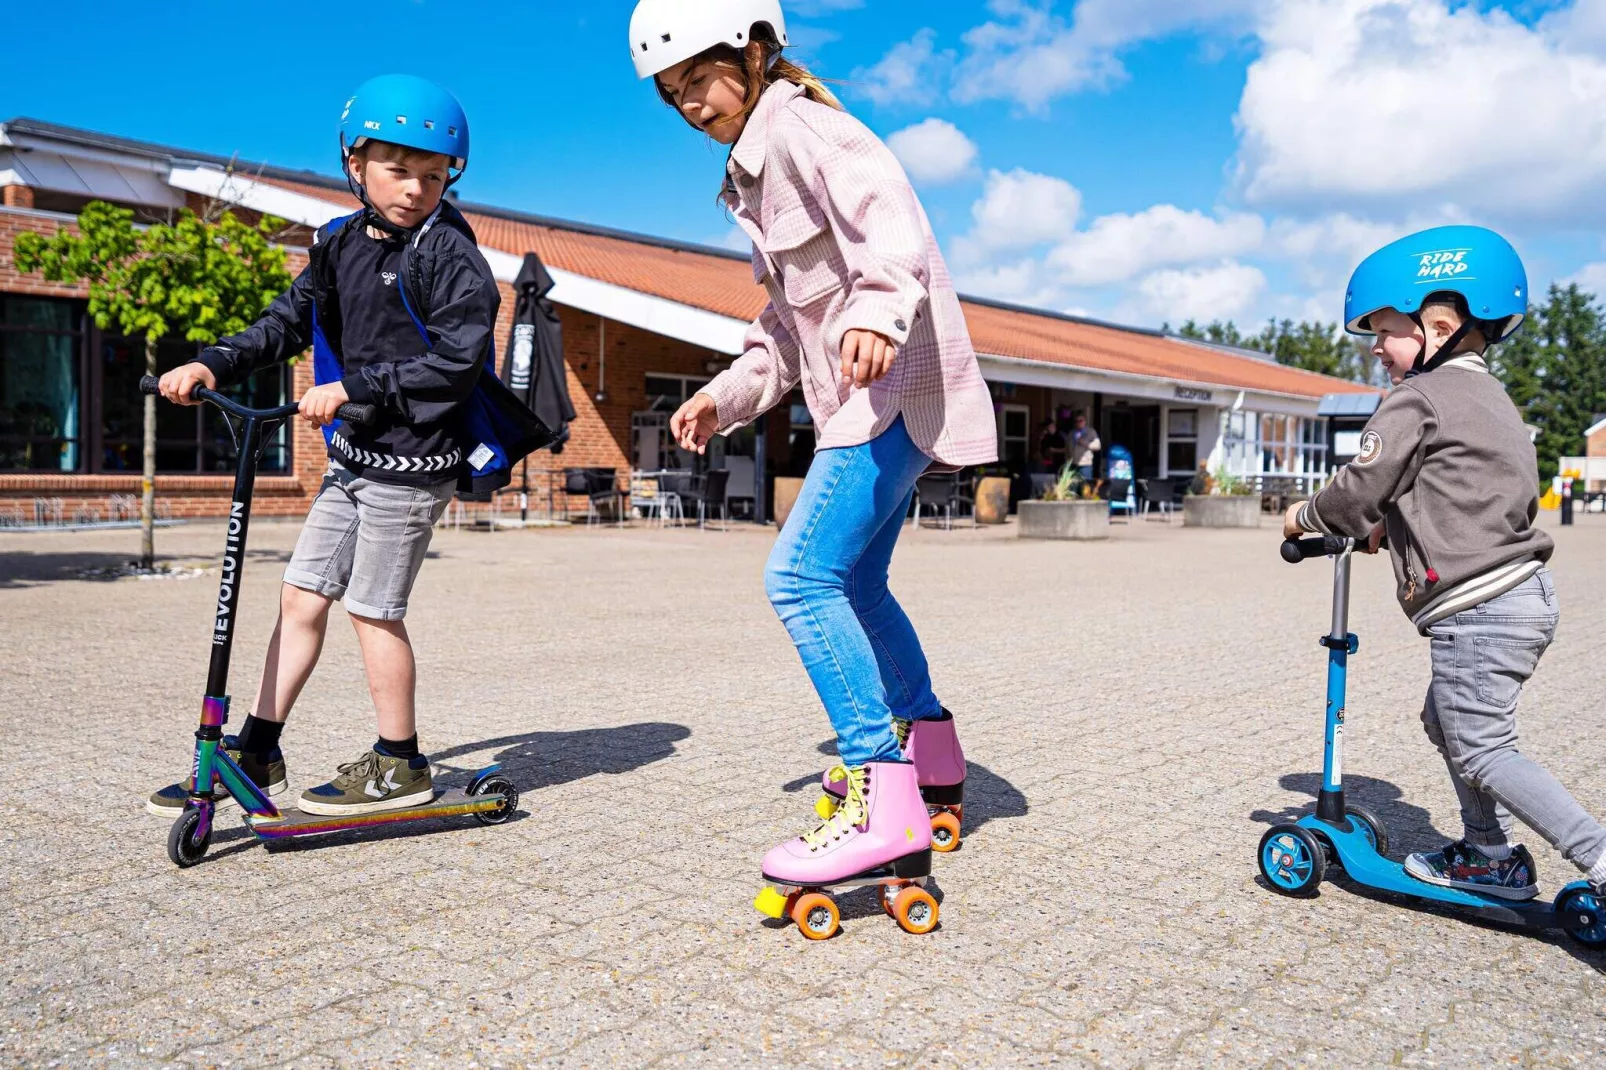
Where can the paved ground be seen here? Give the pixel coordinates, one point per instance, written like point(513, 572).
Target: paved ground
point(1135, 713)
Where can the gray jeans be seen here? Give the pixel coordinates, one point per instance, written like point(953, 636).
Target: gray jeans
point(364, 541)
point(1481, 658)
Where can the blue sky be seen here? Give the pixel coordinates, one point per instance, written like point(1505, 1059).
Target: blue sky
point(1142, 160)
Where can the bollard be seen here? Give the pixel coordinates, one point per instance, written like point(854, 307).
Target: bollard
point(1566, 501)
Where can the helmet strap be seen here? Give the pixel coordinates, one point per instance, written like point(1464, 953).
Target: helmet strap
point(1446, 352)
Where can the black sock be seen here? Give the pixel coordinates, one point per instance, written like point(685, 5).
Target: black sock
point(259, 737)
point(405, 748)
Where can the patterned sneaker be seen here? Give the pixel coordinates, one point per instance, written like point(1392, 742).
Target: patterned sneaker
point(1462, 865)
point(266, 774)
point(370, 784)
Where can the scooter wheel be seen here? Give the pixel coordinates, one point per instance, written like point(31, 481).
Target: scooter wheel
point(1583, 914)
point(496, 784)
point(816, 914)
point(184, 847)
point(1292, 860)
point(1372, 828)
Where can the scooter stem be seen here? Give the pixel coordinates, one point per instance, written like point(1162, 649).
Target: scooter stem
point(1340, 645)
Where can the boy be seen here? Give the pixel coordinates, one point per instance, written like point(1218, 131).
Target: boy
point(1448, 473)
point(399, 307)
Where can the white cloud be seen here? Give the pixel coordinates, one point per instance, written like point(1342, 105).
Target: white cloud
point(1223, 291)
point(912, 72)
point(1019, 209)
point(1591, 278)
point(1119, 247)
point(933, 151)
point(811, 8)
point(1408, 104)
point(1028, 55)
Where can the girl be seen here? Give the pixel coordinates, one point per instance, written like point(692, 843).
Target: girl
point(863, 315)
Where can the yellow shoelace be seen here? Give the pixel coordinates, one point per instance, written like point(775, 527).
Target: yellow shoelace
point(852, 811)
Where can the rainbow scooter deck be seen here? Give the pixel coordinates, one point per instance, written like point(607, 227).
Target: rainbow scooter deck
point(490, 797)
point(1294, 857)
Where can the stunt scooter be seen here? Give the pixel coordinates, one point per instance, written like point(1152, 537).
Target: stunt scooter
point(490, 796)
point(1294, 857)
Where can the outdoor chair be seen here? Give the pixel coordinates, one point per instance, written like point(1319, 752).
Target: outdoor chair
point(944, 497)
point(1118, 492)
point(1156, 494)
point(706, 490)
point(600, 487)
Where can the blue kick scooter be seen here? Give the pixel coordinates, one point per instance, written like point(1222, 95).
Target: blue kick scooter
point(1294, 857)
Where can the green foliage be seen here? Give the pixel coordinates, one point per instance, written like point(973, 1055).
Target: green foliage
point(1555, 371)
point(1070, 487)
point(1315, 347)
point(1224, 484)
point(191, 277)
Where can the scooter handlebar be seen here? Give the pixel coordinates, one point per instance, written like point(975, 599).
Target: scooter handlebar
point(351, 412)
point(1297, 550)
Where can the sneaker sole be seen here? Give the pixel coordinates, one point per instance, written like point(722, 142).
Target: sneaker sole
point(1428, 877)
point(322, 809)
point(222, 804)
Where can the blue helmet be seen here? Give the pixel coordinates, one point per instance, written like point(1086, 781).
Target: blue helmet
point(409, 111)
point(1474, 262)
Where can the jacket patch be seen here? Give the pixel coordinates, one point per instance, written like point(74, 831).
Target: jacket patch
point(1371, 448)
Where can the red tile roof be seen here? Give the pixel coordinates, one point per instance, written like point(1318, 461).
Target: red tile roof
point(724, 284)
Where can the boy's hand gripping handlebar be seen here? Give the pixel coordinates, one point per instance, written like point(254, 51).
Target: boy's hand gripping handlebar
point(351, 412)
point(1297, 550)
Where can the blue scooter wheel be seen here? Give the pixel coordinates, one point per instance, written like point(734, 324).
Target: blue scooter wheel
point(1370, 827)
point(1292, 860)
point(1583, 914)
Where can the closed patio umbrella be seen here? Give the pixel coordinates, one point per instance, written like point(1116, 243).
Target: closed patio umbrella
point(533, 368)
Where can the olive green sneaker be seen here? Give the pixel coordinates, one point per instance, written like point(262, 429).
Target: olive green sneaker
point(370, 784)
point(266, 773)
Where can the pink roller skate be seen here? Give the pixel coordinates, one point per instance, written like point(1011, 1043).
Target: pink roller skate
point(878, 835)
point(933, 746)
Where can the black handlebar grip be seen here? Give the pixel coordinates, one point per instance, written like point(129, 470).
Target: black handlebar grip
point(147, 384)
point(353, 413)
point(1297, 550)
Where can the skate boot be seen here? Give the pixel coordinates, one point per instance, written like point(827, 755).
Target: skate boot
point(879, 835)
point(933, 746)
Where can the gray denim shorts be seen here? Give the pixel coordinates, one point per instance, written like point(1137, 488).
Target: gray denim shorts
point(364, 542)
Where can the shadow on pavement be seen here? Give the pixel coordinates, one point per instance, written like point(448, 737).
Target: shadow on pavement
point(537, 760)
point(21, 568)
point(1410, 828)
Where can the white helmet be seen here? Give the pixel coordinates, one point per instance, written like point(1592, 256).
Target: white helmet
point(666, 32)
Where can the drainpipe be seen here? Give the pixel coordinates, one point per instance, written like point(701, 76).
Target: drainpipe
point(602, 359)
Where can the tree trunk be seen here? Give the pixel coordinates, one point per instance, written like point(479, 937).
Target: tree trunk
point(147, 505)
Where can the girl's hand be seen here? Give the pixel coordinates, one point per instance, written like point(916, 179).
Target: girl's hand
point(319, 405)
point(694, 423)
point(866, 356)
point(1375, 540)
point(177, 385)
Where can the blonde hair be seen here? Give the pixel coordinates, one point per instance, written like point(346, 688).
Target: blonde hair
point(761, 65)
point(388, 151)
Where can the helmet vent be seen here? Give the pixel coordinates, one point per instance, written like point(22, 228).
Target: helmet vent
point(429, 124)
point(667, 37)
point(451, 131)
point(401, 120)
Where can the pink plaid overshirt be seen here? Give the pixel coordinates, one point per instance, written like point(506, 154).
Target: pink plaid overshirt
point(840, 242)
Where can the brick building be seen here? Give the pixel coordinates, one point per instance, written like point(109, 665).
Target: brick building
point(646, 321)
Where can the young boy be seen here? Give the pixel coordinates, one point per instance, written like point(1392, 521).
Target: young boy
point(399, 308)
point(1448, 473)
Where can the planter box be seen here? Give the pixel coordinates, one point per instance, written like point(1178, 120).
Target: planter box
point(787, 489)
point(992, 500)
point(1221, 511)
point(1065, 520)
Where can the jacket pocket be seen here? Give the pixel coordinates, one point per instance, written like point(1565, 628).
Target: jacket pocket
point(1503, 666)
point(804, 251)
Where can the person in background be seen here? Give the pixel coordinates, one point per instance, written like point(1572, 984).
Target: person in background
point(1051, 447)
point(1084, 443)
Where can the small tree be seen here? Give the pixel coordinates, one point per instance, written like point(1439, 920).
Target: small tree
point(194, 277)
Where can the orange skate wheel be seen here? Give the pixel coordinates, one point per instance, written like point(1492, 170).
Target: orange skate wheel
point(915, 910)
point(944, 831)
point(886, 894)
point(816, 915)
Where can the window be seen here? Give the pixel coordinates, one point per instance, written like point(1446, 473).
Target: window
point(666, 393)
point(41, 384)
point(1257, 444)
point(70, 401)
point(1182, 440)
